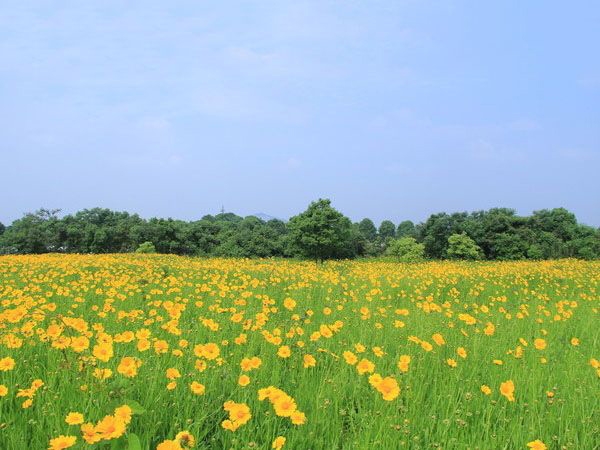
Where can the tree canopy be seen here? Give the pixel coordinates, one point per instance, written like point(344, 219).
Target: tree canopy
point(320, 232)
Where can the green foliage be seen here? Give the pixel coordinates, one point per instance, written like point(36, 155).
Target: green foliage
point(146, 247)
point(406, 249)
point(367, 229)
point(499, 232)
point(387, 230)
point(321, 232)
point(461, 246)
point(406, 228)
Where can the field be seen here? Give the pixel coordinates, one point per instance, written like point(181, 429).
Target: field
point(168, 352)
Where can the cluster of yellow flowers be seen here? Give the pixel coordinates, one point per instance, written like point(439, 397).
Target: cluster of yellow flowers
point(110, 427)
point(239, 414)
point(284, 404)
point(30, 393)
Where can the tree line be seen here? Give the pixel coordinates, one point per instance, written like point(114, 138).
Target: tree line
point(321, 232)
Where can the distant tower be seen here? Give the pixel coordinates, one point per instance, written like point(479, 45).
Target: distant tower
point(222, 209)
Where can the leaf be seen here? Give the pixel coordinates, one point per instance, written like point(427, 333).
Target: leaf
point(136, 408)
point(134, 442)
point(119, 444)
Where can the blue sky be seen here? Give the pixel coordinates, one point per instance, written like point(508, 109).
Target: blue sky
point(393, 109)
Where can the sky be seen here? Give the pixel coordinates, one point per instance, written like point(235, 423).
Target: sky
point(392, 109)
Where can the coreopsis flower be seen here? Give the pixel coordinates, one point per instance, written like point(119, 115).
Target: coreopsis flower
point(61, 442)
point(451, 362)
point(124, 413)
point(575, 341)
point(309, 361)
point(278, 443)
point(507, 389)
point(404, 363)
point(284, 406)
point(74, 418)
point(3, 390)
point(289, 303)
point(536, 445)
point(239, 414)
point(438, 339)
point(169, 444)
point(539, 344)
point(102, 374)
point(426, 346)
point(284, 351)
point(128, 366)
point(486, 389)
point(460, 351)
point(365, 366)
point(298, 418)
point(172, 373)
point(350, 358)
point(244, 380)
point(197, 388)
point(111, 427)
point(185, 439)
point(103, 351)
point(6, 364)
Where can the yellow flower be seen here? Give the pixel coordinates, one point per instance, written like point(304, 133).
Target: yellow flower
point(507, 388)
point(62, 442)
point(365, 366)
point(6, 364)
point(197, 388)
point(111, 427)
point(278, 443)
point(574, 341)
point(284, 351)
point(350, 358)
point(404, 363)
point(451, 362)
point(74, 418)
point(244, 380)
point(537, 445)
point(173, 373)
point(539, 344)
point(309, 361)
point(186, 439)
point(169, 444)
point(486, 389)
point(438, 339)
point(298, 418)
point(124, 413)
point(284, 406)
point(3, 390)
point(460, 351)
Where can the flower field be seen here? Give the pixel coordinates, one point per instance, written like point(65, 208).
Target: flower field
point(147, 351)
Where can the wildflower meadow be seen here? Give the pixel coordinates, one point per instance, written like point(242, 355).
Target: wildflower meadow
point(128, 352)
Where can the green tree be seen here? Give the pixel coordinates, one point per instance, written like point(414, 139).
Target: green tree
point(406, 249)
point(387, 230)
point(146, 247)
point(321, 232)
point(367, 229)
point(406, 228)
point(461, 246)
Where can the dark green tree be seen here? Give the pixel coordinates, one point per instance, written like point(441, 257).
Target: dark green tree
point(367, 229)
point(321, 232)
point(406, 228)
point(387, 230)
